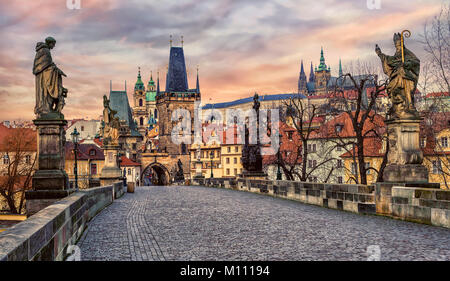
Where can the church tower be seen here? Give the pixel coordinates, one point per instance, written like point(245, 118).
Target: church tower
point(139, 109)
point(150, 102)
point(302, 87)
point(177, 95)
point(322, 75)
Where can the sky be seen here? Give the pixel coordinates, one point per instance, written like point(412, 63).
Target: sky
point(241, 47)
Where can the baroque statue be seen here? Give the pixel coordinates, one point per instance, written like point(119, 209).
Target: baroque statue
point(50, 92)
point(403, 70)
point(111, 124)
point(251, 153)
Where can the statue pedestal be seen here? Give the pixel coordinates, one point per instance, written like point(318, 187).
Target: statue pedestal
point(198, 170)
point(111, 173)
point(405, 156)
point(50, 182)
point(254, 175)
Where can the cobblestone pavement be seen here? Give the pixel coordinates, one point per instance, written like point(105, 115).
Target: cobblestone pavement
point(198, 223)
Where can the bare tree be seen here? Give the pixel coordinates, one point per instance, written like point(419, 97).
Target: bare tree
point(355, 96)
point(436, 41)
point(19, 159)
point(293, 158)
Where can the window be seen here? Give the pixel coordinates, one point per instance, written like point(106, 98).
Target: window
point(367, 168)
point(314, 147)
point(133, 146)
point(229, 149)
point(444, 142)
point(228, 171)
point(218, 153)
point(339, 128)
point(290, 134)
point(141, 121)
point(156, 113)
point(338, 148)
point(92, 152)
point(93, 169)
point(129, 171)
point(437, 168)
point(183, 148)
point(140, 102)
point(228, 160)
point(340, 180)
point(28, 159)
point(354, 168)
point(6, 159)
point(339, 163)
point(82, 128)
point(236, 149)
point(235, 160)
point(235, 172)
point(134, 156)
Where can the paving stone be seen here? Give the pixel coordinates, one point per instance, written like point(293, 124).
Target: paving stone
point(198, 223)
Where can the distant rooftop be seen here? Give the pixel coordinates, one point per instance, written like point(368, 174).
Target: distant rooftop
point(119, 102)
point(250, 99)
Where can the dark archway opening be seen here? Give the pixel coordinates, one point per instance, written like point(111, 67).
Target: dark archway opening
point(155, 175)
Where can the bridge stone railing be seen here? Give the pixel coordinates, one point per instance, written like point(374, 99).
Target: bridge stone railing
point(47, 234)
point(423, 205)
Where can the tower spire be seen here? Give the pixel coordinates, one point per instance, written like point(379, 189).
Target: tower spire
point(322, 65)
point(198, 83)
point(302, 80)
point(340, 68)
point(311, 74)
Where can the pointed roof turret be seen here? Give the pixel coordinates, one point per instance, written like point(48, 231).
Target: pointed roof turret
point(311, 74)
point(157, 85)
point(340, 68)
point(176, 74)
point(198, 83)
point(322, 65)
point(302, 79)
point(139, 84)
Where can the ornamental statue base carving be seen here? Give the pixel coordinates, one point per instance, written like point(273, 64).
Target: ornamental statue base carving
point(405, 156)
point(111, 172)
point(50, 182)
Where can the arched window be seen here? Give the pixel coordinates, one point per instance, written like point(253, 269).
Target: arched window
point(140, 102)
point(141, 121)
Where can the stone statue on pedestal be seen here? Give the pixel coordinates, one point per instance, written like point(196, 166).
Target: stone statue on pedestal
point(111, 124)
point(403, 70)
point(50, 92)
point(405, 157)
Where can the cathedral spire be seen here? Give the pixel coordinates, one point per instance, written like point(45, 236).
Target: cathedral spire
point(311, 74)
point(198, 83)
point(340, 68)
point(302, 80)
point(139, 84)
point(322, 65)
point(157, 87)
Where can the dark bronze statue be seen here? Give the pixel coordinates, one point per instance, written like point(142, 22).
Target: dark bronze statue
point(403, 70)
point(251, 153)
point(50, 92)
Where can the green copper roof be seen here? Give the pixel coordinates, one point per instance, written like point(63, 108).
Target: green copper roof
point(139, 84)
point(150, 96)
point(322, 66)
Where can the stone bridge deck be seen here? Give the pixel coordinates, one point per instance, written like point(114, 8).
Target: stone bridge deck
point(198, 223)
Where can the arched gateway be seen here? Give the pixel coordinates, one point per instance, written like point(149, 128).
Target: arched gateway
point(156, 174)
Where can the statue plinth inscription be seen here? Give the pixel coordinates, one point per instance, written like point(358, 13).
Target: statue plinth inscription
point(50, 181)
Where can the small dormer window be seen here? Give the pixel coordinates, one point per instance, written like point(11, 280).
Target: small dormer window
point(92, 152)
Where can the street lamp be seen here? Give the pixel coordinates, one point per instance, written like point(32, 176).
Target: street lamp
point(211, 155)
point(279, 176)
point(75, 138)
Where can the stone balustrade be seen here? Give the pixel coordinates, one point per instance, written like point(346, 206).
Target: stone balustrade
point(47, 234)
point(423, 205)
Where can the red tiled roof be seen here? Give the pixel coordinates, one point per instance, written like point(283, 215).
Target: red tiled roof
point(84, 151)
point(437, 94)
point(128, 162)
point(372, 147)
point(9, 138)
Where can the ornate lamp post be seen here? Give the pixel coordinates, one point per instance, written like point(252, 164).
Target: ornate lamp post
point(279, 176)
point(75, 139)
point(211, 155)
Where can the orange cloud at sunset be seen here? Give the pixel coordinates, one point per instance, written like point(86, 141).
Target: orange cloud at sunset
point(241, 46)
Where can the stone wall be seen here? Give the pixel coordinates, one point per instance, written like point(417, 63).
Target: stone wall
point(47, 234)
point(423, 205)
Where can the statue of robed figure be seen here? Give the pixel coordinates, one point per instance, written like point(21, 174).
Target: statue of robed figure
point(50, 92)
point(111, 124)
point(403, 70)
